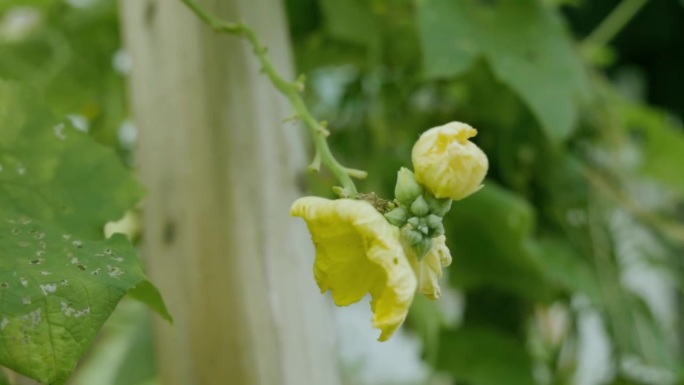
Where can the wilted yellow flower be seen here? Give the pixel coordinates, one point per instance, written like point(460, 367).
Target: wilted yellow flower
point(447, 163)
point(359, 252)
point(429, 269)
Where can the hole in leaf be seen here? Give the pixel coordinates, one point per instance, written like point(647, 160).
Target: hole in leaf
point(114, 271)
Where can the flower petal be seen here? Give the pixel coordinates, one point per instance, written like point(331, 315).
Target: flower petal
point(431, 270)
point(359, 252)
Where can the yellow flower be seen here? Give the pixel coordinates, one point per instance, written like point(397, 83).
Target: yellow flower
point(359, 252)
point(429, 269)
point(447, 163)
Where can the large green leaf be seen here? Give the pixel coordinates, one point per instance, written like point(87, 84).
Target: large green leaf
point(59, 280)
point(56, 291)
point(523, 42)
point(482, 356)
point(52, 172)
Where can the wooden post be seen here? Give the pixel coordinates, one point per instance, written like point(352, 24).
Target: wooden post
point(221, 170)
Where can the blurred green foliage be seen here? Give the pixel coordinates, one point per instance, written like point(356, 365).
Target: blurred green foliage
point(68, 52)
point(59, 278)
point(580, 173)
point(56, 173)
point(585, 180)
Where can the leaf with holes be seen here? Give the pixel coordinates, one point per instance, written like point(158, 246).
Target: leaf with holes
point(56, 291)
point(522, 41)
point(59, 281)
point(54, 173)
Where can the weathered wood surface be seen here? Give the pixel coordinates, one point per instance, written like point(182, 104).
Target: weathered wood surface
point(221, 170)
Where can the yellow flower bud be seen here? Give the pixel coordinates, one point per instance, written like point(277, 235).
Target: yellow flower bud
point(447, 163)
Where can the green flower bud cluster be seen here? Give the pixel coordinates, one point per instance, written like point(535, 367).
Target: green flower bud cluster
point(418, 212)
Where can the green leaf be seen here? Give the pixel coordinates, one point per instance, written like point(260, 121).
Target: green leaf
point(54, 173)
point(523, 42)
point(139, 364)
point(351, 21)
point(3, 378)
point(66, 51)
point(124, 351)
point(426, 320)
point(490, 234)
point(661, 144)
point(653, 337)
point(7, 5)
point(482, 356)
point(56, 291)
point(59, 280)
point(148, 294)
point(565, 267)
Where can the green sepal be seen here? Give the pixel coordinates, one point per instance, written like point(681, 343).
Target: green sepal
point(434, 223)
point(413, 236)
point(419, 207)
point(438, 206)
point(407, 189)
point(414, 222)
point(422, 248)
point(397, 216)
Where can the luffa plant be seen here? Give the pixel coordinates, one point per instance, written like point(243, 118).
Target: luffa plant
point(392, 249)
point(388, 248)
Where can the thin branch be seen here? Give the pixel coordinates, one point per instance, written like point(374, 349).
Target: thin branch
point(613, 23)
point(291, 90)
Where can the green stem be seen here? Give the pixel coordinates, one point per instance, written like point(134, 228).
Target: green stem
point(614, 23)
point(291, 90)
